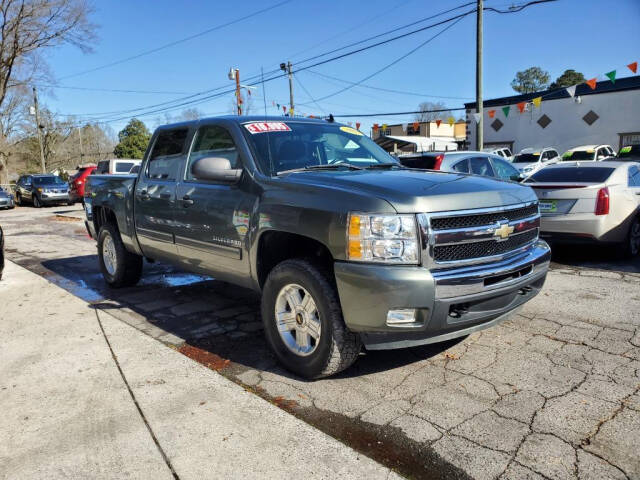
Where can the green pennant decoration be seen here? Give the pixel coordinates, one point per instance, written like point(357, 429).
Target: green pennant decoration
point(612, 76)
point(505, 110)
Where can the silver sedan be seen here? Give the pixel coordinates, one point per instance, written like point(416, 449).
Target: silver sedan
point(590, 202)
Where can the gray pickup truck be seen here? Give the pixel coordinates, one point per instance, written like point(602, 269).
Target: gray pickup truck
point(348, 247)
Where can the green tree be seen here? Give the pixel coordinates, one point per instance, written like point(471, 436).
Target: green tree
point(133, 140)
point(531, 80)
point(568, 78)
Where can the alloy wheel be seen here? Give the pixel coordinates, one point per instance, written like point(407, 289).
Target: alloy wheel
point(298, 319)
point(109, 255)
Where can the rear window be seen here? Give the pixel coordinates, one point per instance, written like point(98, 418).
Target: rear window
point(423, 161)
point(629, 151)
point(578, 155)
point(166, 155)
point(526, 158)
point(123, 167)
point(572, 175)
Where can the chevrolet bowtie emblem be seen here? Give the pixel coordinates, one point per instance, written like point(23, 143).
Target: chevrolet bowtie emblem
point(503, 231)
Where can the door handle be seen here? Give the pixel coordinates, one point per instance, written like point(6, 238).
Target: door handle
point(143, 195)
point(186, 201)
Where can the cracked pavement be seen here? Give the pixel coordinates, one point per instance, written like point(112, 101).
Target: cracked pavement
point(553, 392)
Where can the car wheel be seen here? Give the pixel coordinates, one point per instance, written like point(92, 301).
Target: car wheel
point(119, 267)
point(70, 203)
point(633, 238)
point(18, 199)
point(303, 321)
point(36, 202)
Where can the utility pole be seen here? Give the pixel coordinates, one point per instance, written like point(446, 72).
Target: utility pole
point(286, 67)
point(479, 106)
point(35, 104)
point(81, 149)
point(234, 74)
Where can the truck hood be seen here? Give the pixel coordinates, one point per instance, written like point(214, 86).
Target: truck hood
point(412, 191)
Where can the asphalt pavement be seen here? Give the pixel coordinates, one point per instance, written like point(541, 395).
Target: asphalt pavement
point(554, 392)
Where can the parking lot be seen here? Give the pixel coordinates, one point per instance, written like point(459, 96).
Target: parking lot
point(554, 392)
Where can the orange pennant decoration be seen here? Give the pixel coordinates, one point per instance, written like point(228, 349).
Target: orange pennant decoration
point(522, 106)
point(592, 83)
point(438, 122)
point(491, 113)
point(357, 125)
point(633, 67)
point(416, 126)
point(375, 127)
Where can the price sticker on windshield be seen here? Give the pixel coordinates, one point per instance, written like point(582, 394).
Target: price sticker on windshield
point(263, 127)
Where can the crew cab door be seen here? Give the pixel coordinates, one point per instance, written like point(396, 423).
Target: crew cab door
point(212, 218)
point(155, 194)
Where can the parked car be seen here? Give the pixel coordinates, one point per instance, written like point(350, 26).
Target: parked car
point(477, 163)
point(593, 153)
point(590, 201)
point(504, 152)
point(346, 246)
point(530, 160)
point(630, 153)
point(77, 182)
point(1, 252)
point(6, 199)
point(43, 189)
point(116, 166)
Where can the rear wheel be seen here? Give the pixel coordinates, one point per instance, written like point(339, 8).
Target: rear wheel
point(120, 268)
point(633, 238)
point(303, 321)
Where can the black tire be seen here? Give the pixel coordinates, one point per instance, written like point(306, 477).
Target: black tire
point(631, 246)
point(18, 199)
point(36, 201)
point(128, 266)
point(337, 347)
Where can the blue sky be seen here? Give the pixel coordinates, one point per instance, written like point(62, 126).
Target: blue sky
point(592, 36)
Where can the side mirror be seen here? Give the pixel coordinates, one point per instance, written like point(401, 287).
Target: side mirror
point(215, 169)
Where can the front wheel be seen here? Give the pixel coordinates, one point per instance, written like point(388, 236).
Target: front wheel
point(633, 238)
point(120, 268)
point(303, 321)
point(18, 199)
point(36, 202)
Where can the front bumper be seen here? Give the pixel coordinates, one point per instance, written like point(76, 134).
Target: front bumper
point(449, 303)
point(48, 198)
point(583, 227)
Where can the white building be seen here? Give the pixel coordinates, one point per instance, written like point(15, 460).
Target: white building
point(610, 114)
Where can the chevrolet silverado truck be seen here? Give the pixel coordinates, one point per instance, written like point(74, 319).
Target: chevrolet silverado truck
point(347, 247)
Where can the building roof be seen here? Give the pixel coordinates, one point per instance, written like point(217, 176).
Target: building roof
point(621, 84)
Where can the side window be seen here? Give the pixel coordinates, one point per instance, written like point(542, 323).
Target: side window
point(212, 141)
point(481, 166)
point(504, 170)
point(634, 176)
point(165, 158)
point(103, 167)
point(462, 166)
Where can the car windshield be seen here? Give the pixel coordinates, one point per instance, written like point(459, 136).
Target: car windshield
point(123, 167)
point(578, 155)
point(573, 175)
point(629, 151)
point(526, 158)
point(48, 180)
point(291, 145)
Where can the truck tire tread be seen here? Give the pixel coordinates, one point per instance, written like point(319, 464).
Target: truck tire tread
point(129, 265)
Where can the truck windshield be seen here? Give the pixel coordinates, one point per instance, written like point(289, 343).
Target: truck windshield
point(49, 180)
point(526, 158)
point(291, 145)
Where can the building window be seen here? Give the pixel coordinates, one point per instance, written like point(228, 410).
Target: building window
point(413, 131)
point(627, 139)
point(385, 132)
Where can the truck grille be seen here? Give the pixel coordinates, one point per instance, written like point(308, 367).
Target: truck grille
point(477, 236)
point(488, 248)
point(466, 221)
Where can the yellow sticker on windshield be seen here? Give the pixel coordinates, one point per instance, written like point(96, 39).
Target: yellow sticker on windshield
point(352, 131)
point(567, 154)
point(591, 150)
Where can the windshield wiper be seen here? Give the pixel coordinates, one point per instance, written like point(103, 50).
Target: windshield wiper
point(382, 166)
point(328, 166)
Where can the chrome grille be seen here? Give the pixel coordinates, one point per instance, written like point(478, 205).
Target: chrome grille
point(488, 248)
point(466, 221)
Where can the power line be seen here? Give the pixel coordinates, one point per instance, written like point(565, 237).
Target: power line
point(115, 90)
point(177, 42)
point(390, 114)
point(309, 95)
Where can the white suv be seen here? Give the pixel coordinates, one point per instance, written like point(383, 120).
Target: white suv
point(588, 153)
point(530, 160)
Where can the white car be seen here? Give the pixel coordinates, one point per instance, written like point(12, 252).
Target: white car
point(530, 160)
point(590, 202)
point(503, 152)
point(116, 166)
point(588, 153)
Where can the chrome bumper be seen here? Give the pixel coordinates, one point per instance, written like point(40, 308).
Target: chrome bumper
point(522, 268)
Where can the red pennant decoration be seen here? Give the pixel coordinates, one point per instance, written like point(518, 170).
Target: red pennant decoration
point(522, 106)
point(592, 83)
point(633, 67)
point(491, 113)
point(416, 126)
point(357, 125)
point(438, 122)
point(375, 127)
point(284, 108)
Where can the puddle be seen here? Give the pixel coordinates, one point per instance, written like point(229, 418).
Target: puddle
point(174, 279)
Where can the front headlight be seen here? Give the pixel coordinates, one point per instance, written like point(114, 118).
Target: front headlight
point(382, 238)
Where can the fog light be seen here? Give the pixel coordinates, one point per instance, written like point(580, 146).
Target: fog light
point(402, 316)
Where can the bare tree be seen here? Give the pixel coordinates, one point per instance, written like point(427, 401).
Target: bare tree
point(27, 28)
point(428, 115)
